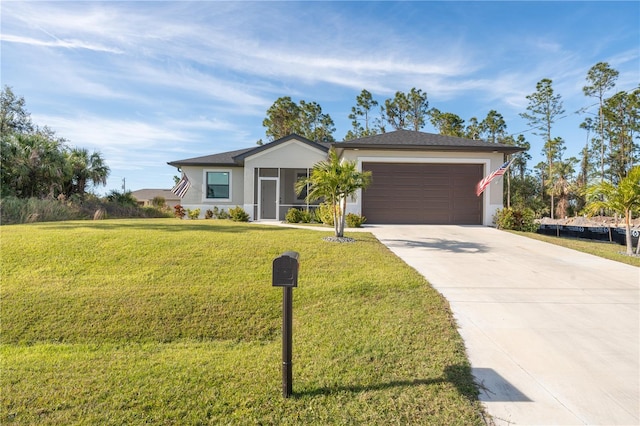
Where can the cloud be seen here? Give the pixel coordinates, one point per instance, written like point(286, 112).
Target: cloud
point(226, 62)
point(186, 78)
point(148, 142)
point(67, 44)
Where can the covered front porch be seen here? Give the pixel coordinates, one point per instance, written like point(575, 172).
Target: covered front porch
point(274, 193)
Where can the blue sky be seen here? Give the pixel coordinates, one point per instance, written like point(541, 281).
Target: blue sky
point(146, 83)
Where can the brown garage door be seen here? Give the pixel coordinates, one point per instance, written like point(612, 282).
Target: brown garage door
point(423, 193)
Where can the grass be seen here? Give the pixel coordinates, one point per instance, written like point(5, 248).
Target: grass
point(165, 321)
point(611, 251)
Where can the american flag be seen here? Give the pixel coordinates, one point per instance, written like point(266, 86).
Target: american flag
point(482, 185)
point(182, 187)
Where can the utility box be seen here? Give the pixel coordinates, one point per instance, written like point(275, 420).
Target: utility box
point(285, 270)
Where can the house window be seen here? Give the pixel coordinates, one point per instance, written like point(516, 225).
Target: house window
point(218, 185)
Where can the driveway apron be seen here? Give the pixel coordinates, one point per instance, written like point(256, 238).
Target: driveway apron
point(552, 334)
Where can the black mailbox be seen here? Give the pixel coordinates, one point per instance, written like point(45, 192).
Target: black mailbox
point(285, 270)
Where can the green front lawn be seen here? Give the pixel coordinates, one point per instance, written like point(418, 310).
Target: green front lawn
point(611, 251)
point(165, 321)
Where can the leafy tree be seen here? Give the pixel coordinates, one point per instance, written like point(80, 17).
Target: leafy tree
point(406, 111)
point(285, 117)
point(315, 125)
point(37, 163)
point(526, 193)
point(544, 109)
point(334, 180)
point(519, 163)
point(623, 199)
point(600, 78)
point(446, 123)
point(520, 159)
point(361, 113)
point(418, 106)
point(541, 172)
point(13, 115)
point(621, 114)
point(582, 180)
point(473, 129)
point(396, 110)
point(493, 127)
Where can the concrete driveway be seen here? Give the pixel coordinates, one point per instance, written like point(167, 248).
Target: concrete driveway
point(552, 334)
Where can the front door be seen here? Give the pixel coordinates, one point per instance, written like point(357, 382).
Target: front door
point(268, 198)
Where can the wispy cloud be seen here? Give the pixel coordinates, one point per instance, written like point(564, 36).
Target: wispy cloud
point(150, 82)
point(66, 44)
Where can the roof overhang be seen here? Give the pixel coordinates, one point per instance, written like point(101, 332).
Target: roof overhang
point(505, 149)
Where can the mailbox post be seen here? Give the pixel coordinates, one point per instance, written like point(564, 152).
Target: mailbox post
point(285, 275)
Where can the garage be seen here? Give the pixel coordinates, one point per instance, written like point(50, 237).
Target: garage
point(423, 193)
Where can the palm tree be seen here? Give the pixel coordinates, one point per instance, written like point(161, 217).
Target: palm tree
point(37, 165)
point(334, 180)
point(563, 187)
point(623, 199)
point(86, 168)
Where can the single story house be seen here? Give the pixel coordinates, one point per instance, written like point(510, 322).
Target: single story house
point(417, 178)
point(145, 197)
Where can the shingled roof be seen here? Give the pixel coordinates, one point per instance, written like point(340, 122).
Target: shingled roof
point(236, 158)
point(222, 159)
point(397, 140)
point(412, 140)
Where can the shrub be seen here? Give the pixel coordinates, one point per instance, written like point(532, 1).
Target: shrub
point(355, 220)
point(158, 202)
point(325, 213)
point(314, 216)
point(122, 198)
point(237, 214)
point(293, 215)
point(220, 213)
point(179, 211)
point(307, 216)
point(24, 210)
point(208, 214)
point(193, 214)
point(516, 219)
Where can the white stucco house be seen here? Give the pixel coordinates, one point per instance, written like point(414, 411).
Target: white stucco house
point(417, 178)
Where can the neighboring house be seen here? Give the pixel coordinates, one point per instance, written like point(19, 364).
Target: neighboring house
point(145, 197)
point(417, 178)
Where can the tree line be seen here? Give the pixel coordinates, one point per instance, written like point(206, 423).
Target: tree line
point(555, 187)
point(35, 163)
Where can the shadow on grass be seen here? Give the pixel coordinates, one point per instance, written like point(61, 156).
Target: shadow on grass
point(458, 375)
point(439, 244)
point(216, 225)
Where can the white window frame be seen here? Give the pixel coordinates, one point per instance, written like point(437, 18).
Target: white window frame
point(205, 183)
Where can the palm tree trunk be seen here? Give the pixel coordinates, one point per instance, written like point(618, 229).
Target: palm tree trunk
point(336, 218)
point(627, 225)
point(344, 216)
